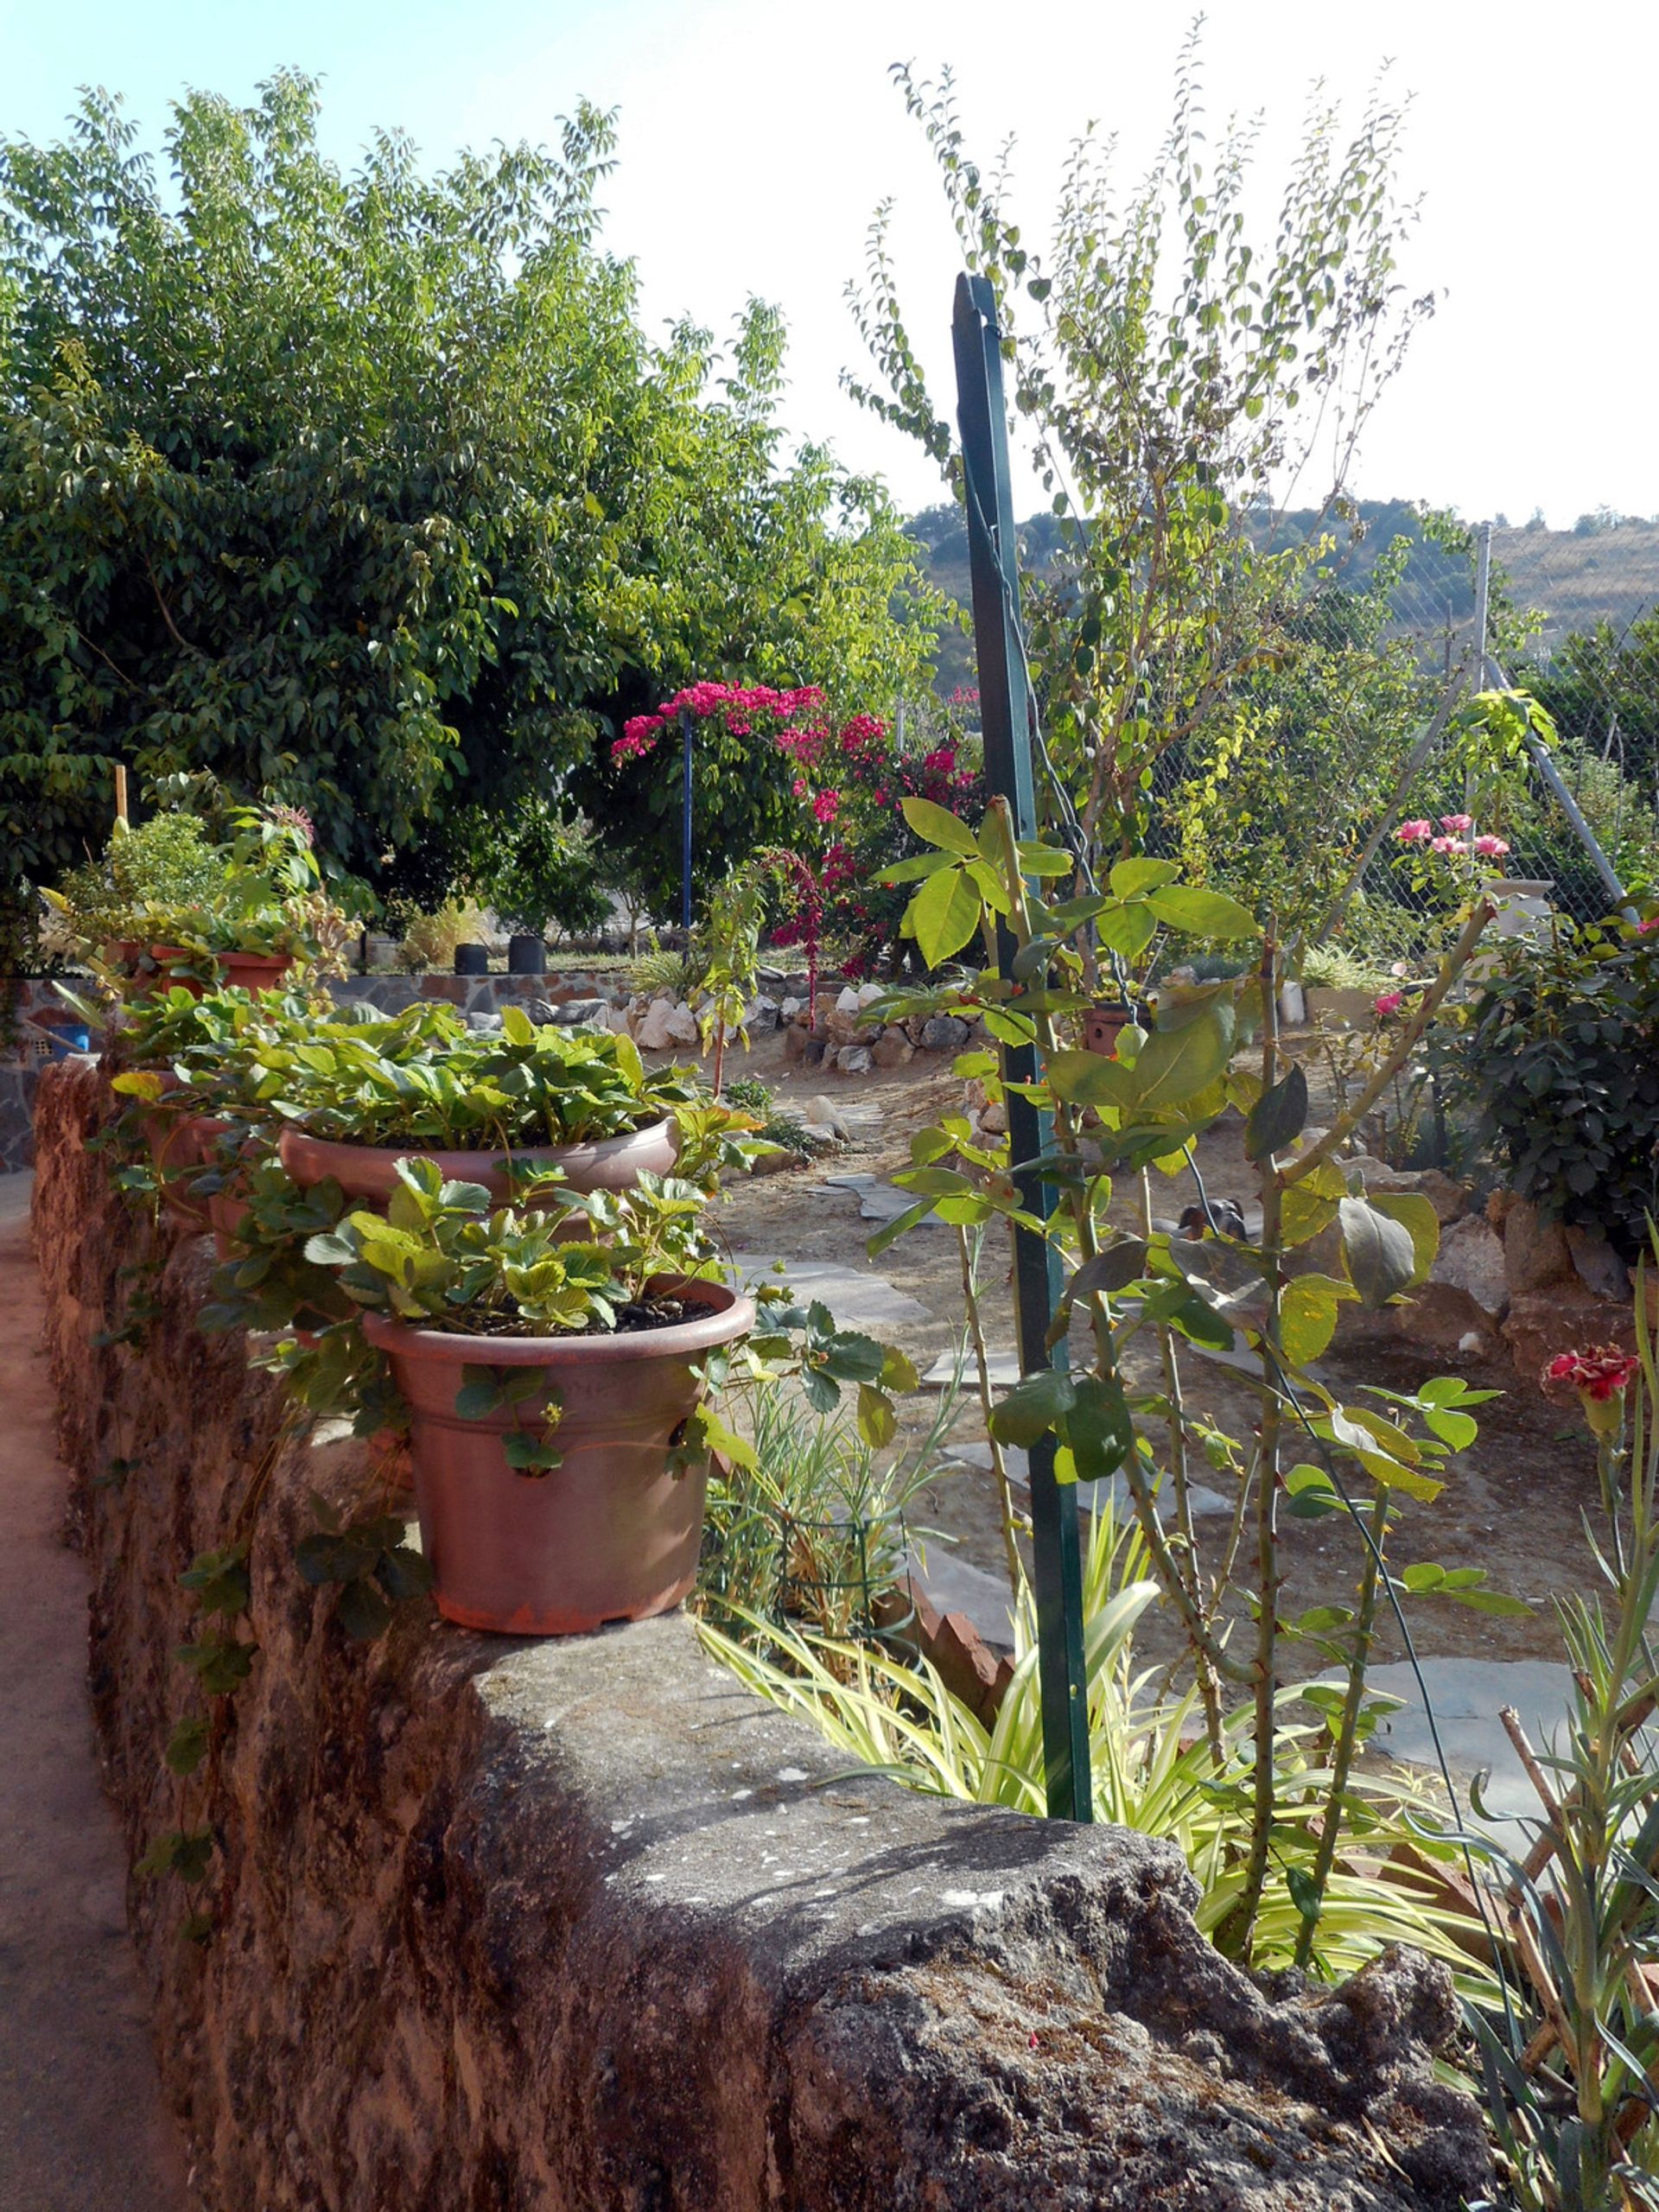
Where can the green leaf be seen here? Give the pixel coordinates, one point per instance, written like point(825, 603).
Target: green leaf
point(1278, 1117)
point(1126, 930)
point(529, 1455)
point(937, 825)
point(1097, 1428)
point(1376, 1251)
point(1131, 877)
point(1416, 1216)
point(186, 1746)
point(1176, 1064)
point(364, 1611)
point(405, 1572)
point(1201, 913)
point(1115, 1268)
point(1089, 1079)
point(1033, 1407)
point(1308, 1316)
point(876, 1419)
point(943, 915)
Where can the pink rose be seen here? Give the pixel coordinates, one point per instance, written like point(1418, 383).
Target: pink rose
point(1491, 849)
point(1413, 833)
point(1458, 822)
point(1389, 1002)
point(1447, 845)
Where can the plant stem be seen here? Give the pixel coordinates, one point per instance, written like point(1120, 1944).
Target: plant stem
point(1208, 1686)
point(1347, 1737)
point(998, 1466)
point(1242, 1922)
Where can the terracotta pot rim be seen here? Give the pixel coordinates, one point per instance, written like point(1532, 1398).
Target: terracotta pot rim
point(727, 1315)
point(493, 1156)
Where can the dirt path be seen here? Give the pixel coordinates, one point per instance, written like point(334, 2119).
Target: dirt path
point(1514, 1502)
point(82, 2126)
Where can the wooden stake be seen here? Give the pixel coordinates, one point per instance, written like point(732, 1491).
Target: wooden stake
point(120, 794)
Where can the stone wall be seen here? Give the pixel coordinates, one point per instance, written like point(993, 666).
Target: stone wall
point(570, 1926)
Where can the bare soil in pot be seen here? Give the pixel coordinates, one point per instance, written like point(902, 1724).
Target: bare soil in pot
point(610, 1534)
point(369, 1172)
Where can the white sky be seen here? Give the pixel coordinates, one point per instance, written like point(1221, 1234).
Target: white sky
point(758, 135)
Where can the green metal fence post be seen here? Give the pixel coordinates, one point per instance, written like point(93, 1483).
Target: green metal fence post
point(1004, 706)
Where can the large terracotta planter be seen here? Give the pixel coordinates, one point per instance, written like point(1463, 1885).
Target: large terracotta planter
point(254, 971)
point(609, 1534)
point(369, 1172)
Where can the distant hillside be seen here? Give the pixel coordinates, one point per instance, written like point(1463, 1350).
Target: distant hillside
point(1572, 578)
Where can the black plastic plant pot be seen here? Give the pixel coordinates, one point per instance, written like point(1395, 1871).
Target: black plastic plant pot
point(472, 960)
point(526, 956)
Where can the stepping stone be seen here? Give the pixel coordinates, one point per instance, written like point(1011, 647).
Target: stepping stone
point(839, 1182)
point(956, 1588)
point(1466, 1697)
point(1093, 1497)
point(1003, 1366)
point(885, 1202)
point(857, 1301)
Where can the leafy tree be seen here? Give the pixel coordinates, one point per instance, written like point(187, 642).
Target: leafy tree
point(1279, 786)
point(1171, 378)
point(368, 491)
point(1602, 680)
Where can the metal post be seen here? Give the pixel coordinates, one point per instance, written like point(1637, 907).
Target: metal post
point(1482, 605)
point(1004, 715)
point(688, 722)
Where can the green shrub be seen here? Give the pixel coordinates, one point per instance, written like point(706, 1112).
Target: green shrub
point(1557, 1063)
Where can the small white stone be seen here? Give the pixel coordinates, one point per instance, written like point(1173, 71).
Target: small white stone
point(792, 1774)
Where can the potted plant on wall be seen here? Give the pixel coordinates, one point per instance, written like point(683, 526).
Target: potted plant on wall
point(483, 1107)
point(550, 1377)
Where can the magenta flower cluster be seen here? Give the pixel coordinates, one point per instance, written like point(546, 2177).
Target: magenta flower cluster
point(741, 704)
point(1455, 838)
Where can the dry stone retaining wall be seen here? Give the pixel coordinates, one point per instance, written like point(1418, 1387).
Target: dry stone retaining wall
point(579, 1926)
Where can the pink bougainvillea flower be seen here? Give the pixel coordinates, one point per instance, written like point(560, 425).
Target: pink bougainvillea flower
point(826, 805)
point(1389, 1002)
point(1491, 849)
point(1414, 832)
point(798, 787)
point(942, 762)
point(1647, 928)
point(1600, 1376)
point(1458, 822)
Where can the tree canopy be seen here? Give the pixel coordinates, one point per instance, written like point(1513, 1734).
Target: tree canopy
point(369, 491)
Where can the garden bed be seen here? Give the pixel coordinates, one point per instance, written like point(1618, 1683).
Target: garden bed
point(579, 1922)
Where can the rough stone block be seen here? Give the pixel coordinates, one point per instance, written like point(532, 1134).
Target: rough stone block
point(1535, 1251)
point(943, 1032)
point(1470, 1258)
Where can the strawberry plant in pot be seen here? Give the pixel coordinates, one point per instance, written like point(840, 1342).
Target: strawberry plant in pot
point(481, 1107)
point(549, 1380)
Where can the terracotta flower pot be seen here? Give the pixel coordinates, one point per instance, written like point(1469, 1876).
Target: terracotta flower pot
point(254, 971)
point(179, 1145)
point(1102, 1027)
point(163, 955)
point(369, 1171)
point(609, 1534)
point(226, 1214)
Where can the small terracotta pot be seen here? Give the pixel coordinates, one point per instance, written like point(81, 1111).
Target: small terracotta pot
point(254, 971)
point(609, 1534)
point(1102, 1027)
point(179, 1145)
point(162, 954)
point(369, 1171)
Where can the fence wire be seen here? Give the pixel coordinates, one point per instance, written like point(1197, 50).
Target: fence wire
point(1347, 734)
